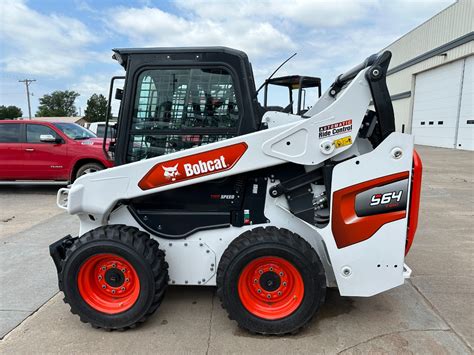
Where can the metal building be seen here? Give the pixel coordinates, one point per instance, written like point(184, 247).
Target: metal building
point(431, 79)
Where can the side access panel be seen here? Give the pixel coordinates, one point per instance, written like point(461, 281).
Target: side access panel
point(367, 232)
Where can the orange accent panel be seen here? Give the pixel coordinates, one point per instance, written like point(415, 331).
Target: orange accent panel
point(414, 200)
point(347, 227)
point(193, 166)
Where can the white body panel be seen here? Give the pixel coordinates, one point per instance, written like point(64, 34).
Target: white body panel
point(289, 138)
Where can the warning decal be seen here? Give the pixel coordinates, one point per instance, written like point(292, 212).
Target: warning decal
point(335, 128)
point(342, 142)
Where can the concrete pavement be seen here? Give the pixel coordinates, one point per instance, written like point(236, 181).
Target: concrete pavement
point(27, 274)
point(432, 313)
point(24, 205)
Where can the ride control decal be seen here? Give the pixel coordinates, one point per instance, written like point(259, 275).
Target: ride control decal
point(335, 128)
point(193, 166)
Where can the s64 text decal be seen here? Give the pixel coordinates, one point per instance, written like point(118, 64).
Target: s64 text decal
point(382, 199)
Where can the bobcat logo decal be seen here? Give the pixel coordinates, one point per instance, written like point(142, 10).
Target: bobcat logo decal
point(171, 172)
point(194, 166)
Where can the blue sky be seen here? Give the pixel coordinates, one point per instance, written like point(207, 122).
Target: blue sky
point(66, 45)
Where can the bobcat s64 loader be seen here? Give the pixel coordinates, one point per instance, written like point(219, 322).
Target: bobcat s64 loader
point(272, 205)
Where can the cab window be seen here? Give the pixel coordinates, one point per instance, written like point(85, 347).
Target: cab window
point(34, 131)
point(177, 109)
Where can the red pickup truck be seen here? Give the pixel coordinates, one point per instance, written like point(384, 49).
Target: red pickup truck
point(36, 150)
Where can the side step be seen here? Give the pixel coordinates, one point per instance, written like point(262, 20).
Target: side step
point(406, 271)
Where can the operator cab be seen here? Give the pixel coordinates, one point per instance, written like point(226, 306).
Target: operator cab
point(307, 89)
point(178, 98)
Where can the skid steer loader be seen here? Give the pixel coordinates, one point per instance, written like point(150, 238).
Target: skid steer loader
point(213, 189)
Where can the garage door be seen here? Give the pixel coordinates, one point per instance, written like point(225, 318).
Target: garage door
point(465, 139)
point(436, 105)
point(443, 106)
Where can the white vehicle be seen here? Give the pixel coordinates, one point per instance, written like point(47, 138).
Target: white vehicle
point(99, 129)
point(212, 189)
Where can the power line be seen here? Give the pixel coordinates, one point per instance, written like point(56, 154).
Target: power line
point(27, 84)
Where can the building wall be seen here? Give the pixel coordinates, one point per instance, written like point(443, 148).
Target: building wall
point(401, 81)
point(401, 109)
point(452, 25)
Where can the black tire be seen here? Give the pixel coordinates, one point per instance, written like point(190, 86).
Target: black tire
point(87, 169)
point(271, 242)
point(137, 249)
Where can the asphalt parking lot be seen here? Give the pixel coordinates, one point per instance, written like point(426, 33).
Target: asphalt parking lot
point(431, 313)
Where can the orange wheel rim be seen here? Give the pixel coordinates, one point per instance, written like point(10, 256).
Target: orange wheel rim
point(108, 283)
point(271, 287)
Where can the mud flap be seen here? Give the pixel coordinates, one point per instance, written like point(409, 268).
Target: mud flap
point(57, 250)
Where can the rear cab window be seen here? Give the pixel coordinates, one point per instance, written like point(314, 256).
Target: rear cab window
point(10, 133)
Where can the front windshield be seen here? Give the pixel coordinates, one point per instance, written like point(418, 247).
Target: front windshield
point(74, 131)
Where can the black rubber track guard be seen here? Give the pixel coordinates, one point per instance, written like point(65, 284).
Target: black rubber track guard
point(146, 254)
point(271, 241)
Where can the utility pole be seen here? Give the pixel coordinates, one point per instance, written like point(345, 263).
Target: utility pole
point(27, 84)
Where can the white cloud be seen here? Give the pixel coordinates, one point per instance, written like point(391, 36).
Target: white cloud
point(37, 44)
point(306, 12)
point(330, 36)
point(153, 27)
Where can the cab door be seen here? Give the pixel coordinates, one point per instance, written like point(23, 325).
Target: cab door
point(45, 160)
point(11, 151)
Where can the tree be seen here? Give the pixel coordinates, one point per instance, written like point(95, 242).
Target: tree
point(58, 103)
point(96, 108)
point(9, 112)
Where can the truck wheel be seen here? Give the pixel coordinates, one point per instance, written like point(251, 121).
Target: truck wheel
point(271, 281)
point(114, 277)
point(88, 168)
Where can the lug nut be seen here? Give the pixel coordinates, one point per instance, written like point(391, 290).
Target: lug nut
point(113, 292)
point(122, 288)
point(279, 293)
point(259, 291)
point(260, 272)
point(103, 286)
point(255, 281)
point(281, 273)
point(114, 265)
point(284, 283)
point(104, 268)
point(271, 269)
point(269, 296)
point(127, 279)
point(123, 270)
point(100, 277)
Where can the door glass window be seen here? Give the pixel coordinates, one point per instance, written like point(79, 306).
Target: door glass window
point(10, 133)
point(34, 131)
point(179, 109)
